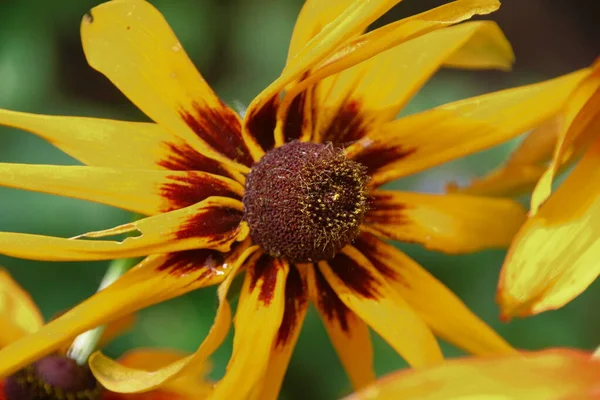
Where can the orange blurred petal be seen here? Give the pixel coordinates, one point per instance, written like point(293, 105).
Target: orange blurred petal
point(130, 42)
point(451, 223)
point(213, 223)
point(547, 375)
point(420, 141)
point(367, 293)
point(441, 309)
point(156, 279)
point(554, 255)
point(143, 191)
point(257, 322)
point(349, 334)
point(19, 315)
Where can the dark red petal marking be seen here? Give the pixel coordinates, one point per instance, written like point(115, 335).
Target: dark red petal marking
point(205, 262)
point(216, 222)
point(296, 118)
point(384, 210)
point(265, 270)
point(192, 188)
point(354, 276)
point(329, 303)
point(296, 297)
point(185, 158)
point(379, 155)
point(346, 126)
point(261, 124)
point(221, 129)
point(369, 246)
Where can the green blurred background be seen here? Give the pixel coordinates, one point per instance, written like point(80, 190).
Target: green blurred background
point(240, 46)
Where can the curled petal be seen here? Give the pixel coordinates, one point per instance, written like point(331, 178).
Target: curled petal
point(349, 334)
point(441, 309)
point(213, 223)
point(554, 255)
point(130, 42)
point(451, 223)
point(143, 191)
point(547, 375)
point(156, 279)
point(365, 291)
point(19, 315)
point(424, 140)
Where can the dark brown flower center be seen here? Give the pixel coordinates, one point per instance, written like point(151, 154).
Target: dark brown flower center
point(52, 378)
point(305, 201)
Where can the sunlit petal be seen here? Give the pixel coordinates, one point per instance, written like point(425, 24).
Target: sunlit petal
point(442, 310)
point(130, 42)
point(555, 255)
point(451, 223)
point(144, 191)
point(18, 313)
point(257, 322)
point(414, 143)
point(349, 334)
point(547, 375)
point(213, 223)
point(365, 291)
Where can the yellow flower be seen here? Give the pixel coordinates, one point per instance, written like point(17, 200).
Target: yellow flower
point(20, 316)
point(556, 374)
point(553, 257)
point(289, 195)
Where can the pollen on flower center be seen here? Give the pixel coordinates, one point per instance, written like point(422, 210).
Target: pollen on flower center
point(305, 201)
point(52, 378)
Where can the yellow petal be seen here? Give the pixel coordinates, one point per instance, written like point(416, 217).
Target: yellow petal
point(441, 309)
point(452, 223)
point(109, 143)
point(192, 384)
point(354, 19)
point(257, 322)
point(348, 333)
point(130, 42)
point(18, 313)
point(143, 191)
point(116, 328)
point(554, 255)
point(420, 141)
point(156, 279)
point(118, 378)
point(313, 17)
point(296, 304)
point(522, 170)
point(547, 375)
point(350, 106)
point(212, 223)
point(482, 52)
point(365, 291)
point(580, 126)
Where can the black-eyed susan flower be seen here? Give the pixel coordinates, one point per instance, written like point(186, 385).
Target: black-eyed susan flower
point(58, 376)
point(553, 257)
point(289, 195)
point(555, 374)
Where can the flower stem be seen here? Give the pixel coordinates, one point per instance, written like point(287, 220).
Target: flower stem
point(85, 344)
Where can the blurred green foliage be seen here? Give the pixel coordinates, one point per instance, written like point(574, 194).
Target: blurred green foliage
point(240, 47)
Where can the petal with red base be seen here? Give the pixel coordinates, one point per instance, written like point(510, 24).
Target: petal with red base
point(452, 223)
point(366, 292)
